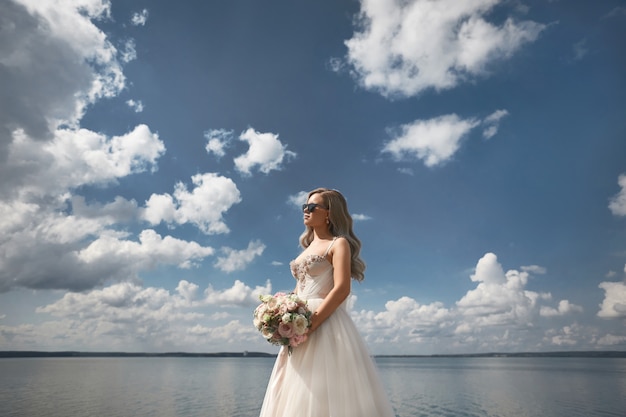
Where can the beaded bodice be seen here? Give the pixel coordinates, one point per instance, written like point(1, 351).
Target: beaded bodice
point(314, 274)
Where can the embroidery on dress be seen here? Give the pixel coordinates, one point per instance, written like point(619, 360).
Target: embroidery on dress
point(300, 270)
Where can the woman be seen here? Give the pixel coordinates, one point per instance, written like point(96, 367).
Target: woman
point(331, 374)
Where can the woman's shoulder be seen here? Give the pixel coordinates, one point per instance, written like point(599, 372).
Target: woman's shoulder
point(340, 242)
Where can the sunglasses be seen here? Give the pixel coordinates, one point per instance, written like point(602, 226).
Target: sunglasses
point(310, 207)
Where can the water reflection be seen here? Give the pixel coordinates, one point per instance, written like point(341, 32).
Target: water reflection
point(234, 387)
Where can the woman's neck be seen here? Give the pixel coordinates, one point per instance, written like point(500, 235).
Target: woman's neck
point(322, 233)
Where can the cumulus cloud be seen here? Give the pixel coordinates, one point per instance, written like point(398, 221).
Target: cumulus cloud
point(61, 252)
point(54, 62)
point(237, 260)
point(45, 226)
point(405, 47)
point(120, 210)
point(203, 206)
point(298, 199)
point(217, 141)
point(51, 237)
point(238, 295)
point(75, 158)
point(500, 298)
point(497, 312)
point(565, 336)
point(614, 303)
point(128, 53)
point(265, 152)
point(136, 105)
point(564, 308)
point(128, 316)
point(617, 205)
point(534, 269)
point(139, 18)
point(434, 141)
point(611, 340)
point(403, 321)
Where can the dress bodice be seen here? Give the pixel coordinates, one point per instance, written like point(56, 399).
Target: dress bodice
point(314, 274)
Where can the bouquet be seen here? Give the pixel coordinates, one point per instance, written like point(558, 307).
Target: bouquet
point(283, 319)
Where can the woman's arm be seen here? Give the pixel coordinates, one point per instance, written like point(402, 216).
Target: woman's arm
point(341, 289)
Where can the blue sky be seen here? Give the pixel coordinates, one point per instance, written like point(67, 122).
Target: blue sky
point(154, 155)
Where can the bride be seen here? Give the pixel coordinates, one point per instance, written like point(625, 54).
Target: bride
point(331, 374)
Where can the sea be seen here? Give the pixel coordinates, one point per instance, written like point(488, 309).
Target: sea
point(235, 386)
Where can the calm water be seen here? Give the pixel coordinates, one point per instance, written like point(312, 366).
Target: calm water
point(234, 387)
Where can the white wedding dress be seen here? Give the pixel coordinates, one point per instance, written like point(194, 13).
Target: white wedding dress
point(331, 374)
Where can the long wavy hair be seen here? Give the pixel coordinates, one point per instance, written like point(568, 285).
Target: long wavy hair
point(340, 224)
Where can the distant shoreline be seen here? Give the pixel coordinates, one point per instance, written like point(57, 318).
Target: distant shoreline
point(246, 354)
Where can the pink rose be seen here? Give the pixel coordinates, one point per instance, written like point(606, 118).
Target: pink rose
point(297, 339)
point(286, 330)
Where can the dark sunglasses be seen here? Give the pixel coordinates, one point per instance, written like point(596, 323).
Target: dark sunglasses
point(310, 207)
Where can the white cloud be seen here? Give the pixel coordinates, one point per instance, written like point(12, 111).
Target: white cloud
point(238, 295)
point(128, 316)
point(405, 47)
point(129, 53)
point(492, 123)
point(136, 105)
point(139, 18)
point(187, 290)
point(74, 158)
point(434, 141)
point(265, 152)
point(47, 250)
point(534, 269)
point(500, 298)
point(564, 308)
point(50, 237)
point(152, 249)
point(611, 340)
point(203, 206)
point(53, 55)
point(119, 210)
point(497, 313)
point(617, 205)
point(238, 260)
point(566, 336)
point(217, 141)
point(298, 199)
point(614, 303)
point(360, 217)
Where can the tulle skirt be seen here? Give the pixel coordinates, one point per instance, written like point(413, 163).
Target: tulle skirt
point(329, 375)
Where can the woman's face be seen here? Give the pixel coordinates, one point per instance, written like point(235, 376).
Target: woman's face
point(319, 214)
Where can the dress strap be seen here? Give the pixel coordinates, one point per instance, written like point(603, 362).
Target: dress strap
point(330, 246)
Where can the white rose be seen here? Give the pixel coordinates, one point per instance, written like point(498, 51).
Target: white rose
point(286, 318)
point(300, 325)
point(267, 332)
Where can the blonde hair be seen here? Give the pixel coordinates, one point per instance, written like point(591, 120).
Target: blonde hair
point(340, 225)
